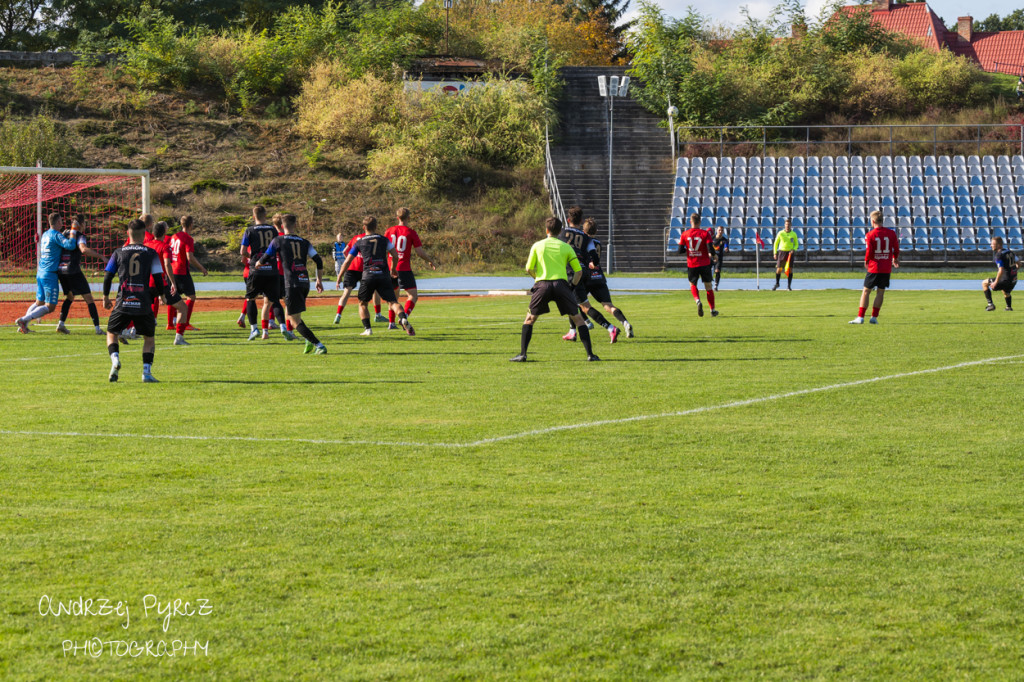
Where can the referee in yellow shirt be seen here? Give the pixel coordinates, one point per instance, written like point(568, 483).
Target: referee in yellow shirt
point(549, 262)
point(784, 250)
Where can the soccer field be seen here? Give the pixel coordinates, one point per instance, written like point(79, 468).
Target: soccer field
point(770, 493)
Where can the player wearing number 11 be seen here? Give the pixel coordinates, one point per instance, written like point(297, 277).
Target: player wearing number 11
point(881, 256)
point(294, 252)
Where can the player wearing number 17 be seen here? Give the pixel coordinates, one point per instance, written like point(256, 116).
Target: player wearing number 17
point(293, 252)
point(695, 242)
point(881, 256)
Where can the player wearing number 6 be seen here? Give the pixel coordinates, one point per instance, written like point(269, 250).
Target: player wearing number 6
point(881, 256)
point(405, 240)
point(695, 243)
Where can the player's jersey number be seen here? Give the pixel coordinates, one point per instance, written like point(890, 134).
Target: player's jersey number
point(401, 243)
point(693, 245)
point(134, 266)
point(879, 249)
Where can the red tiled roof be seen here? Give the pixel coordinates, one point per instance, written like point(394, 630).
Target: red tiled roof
point(1004, 47)
point(914, 19)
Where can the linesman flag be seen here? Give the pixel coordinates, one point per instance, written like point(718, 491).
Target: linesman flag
point(789, 259)
point(757, 236)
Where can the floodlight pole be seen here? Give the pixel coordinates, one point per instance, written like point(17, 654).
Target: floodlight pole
point(610, 88)
point(447, 9)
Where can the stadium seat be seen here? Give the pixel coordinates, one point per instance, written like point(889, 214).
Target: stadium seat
point(677, 221)
point(951, 239)
point(936, 239)
point(828, 239)
point(1015, 239)
point(920, 239)
point(706, 222)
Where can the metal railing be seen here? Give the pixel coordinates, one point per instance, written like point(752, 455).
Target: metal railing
point(1012, 69)
point(551, 181)
point(988, 138)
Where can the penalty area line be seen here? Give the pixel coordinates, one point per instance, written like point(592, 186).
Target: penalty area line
point(524, 434)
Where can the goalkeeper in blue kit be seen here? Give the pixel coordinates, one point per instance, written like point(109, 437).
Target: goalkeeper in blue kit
point(51, 246)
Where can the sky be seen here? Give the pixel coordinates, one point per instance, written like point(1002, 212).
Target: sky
point(729, 12)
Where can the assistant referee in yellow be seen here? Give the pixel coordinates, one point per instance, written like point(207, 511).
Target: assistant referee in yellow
point(549, 263)
point(784, 250)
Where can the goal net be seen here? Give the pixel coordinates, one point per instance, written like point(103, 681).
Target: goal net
point(107, 200)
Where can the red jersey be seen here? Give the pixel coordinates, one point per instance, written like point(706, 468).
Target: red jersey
point(405, 240)
point(357, 262)
point(145, 240)
point(696, 241)
point(161, 250)
point(883, 249)
point(182, 244)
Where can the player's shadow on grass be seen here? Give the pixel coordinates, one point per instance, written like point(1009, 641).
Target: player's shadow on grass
point(695, 359)
point(303, 381)
point(744, 339)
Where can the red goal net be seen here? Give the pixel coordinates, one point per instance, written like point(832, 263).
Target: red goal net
point(106, 202)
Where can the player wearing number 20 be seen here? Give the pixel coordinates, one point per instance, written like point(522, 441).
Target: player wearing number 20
point(695, 243)
point(881, 256)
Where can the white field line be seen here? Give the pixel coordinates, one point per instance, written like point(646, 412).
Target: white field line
point(521, 434)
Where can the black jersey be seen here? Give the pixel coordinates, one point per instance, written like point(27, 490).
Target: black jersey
point(258, 239)
point(294, 252)
point(582, 244)
point(597, 273)
point(374, 250)
point(134, 264)
point(720, 245)
point(71, 259)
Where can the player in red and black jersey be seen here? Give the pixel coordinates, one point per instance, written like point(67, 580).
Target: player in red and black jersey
point(140, 273)
point(597, 284)
point(293, 252)
point(880, 257)
point(695, 243)
point(374, 248)
point(171, 296)
point(581, 243)
point(183, 259)
point(263, 281)
point(406, 241)
point(72, 279)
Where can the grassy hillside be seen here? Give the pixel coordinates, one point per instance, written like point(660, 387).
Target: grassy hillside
point(214, 164)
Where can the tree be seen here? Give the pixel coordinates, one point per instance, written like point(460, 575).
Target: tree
point(18, 23)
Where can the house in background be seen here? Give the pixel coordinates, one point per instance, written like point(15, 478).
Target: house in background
point(1002, 51)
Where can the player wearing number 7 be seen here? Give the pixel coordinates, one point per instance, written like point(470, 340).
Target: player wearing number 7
point(695, 243)
point(881, 256)
point(375, 248)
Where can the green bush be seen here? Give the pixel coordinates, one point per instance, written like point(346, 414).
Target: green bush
point(235, 240)
point(234, 220)
point(108, 140)
point(23, 142)
point(200, 186)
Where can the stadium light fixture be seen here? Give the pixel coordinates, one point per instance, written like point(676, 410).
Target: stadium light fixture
point(610, 88)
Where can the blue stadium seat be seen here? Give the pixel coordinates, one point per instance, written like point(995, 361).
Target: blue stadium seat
point(677, 221)
point(920, 221)
point(859, 222)
point(1015, 239)
point(948, 191)
point(952, 239)
point(828, 221)
point(752, 222)
point(828, 212)
point(706, 222)
point(994, 222)
point(936, 239)
point(707, 212)
point(812, 239)
point(722, 222)
point(1012, 221)
point(812, 221)
point(843, 222)
point(984, 235)
point(828, 239)
point(921, 239)
point(934, 202)
point(843, 239)
point(722, 212)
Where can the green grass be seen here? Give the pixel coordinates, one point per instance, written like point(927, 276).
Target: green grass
point(866, 532)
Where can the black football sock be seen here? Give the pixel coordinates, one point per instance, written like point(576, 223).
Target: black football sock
point(64, 308)
point(585, 338)
point(95, 314)
point(366, 322)
point(619, 316)
point(1009, 299)
point(988, 295)
point(147, 362)
point(304, 331)
point(777, 275)
point(599, 318)
point(113, 348)
point(789, 280)
point(572, 324)
point(279, 312)
point(250, 310)
point(718, 276)
point(524, 340)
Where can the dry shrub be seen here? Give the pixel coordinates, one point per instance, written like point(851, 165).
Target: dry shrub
point(345, 113)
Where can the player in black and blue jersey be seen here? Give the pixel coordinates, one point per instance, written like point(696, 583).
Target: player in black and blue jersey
point(597, 285)
point(583, 245)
